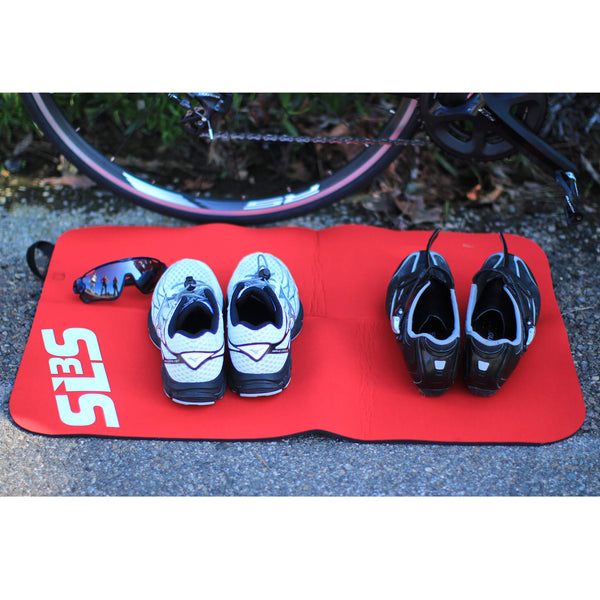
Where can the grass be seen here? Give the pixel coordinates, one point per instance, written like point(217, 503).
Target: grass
point(14, 119)
point(160, 115)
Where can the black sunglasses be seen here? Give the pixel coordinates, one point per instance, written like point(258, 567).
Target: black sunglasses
point(107, 281)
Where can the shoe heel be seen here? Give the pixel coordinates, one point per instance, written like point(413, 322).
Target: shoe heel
point(194, 394)
point(261, 384)
point(298, 323)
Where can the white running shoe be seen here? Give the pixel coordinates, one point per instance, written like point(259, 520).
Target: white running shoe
point(264, 314)
point(186, 323)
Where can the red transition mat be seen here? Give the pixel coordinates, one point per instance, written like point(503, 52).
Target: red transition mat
point(90, 369)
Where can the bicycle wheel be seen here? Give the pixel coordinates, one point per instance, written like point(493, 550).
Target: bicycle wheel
point(134, 145)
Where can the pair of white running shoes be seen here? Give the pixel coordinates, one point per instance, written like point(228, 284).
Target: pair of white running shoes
point(187, 322)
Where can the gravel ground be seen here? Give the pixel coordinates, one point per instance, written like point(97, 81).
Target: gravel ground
point(308, 464)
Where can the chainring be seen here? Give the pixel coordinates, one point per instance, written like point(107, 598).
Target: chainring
point(455, 124)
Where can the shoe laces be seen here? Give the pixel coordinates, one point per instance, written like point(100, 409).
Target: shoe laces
point(261, 276)
point(189, 288)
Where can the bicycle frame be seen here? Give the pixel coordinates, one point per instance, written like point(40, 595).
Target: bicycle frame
point(497, 110)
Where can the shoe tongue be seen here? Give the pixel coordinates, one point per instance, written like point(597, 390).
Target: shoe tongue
point(193, 313)
point(252, 288)
point(256, 305)
point(434, 272)
point(188, 300)
point(486, 275)
point(254, 283)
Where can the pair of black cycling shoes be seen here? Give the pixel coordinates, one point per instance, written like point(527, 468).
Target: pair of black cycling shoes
point(502, 312)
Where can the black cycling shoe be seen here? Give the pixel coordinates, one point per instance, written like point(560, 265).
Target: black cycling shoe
point(421, 304)
point(503, 309)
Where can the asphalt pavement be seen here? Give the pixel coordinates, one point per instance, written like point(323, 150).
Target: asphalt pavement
point(308, 464)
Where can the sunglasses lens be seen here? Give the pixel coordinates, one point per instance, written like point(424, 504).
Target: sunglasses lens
point(103, 283)
point(107, 281)
point(149, 271)
point(79, 286)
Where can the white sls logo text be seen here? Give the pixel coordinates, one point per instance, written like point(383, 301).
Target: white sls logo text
point(67, 371)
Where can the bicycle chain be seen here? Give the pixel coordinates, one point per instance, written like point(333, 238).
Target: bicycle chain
point(306, 139)
point(197, 119)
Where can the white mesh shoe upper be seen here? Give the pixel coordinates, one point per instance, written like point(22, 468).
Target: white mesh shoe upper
point(188, 358)
point(262, 349)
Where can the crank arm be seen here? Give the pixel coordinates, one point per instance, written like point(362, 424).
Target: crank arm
point(548, 158)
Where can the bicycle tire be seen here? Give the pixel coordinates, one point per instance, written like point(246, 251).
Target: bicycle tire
point(109, 175)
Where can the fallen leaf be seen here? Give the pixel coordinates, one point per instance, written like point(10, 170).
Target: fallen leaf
point(75, 181)
point(340, 130)
point(492, 196)
point(473, 195)
point(197, 183)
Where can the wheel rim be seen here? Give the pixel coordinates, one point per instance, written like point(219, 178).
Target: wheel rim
point(206, 206)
